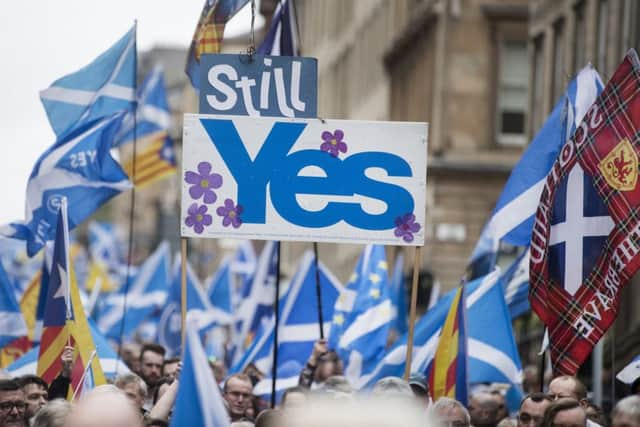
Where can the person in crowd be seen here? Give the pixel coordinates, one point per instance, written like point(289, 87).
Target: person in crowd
point(420, 386)
point(53, 414)
point(163, 407)
point(531, 379)
point(321, 365)
point(238, 393)
point(243, 423)
point(36, 392)
point(532, 407)
point(508, 422)
point(219, 370)
point(12, 404)
point(269, 418)
point(449, 412)
point(486, 409)
point(595, 414)
point(60, 385)
point(151, 362)
point(170, 368)
point(626, 413)
point(161, 388)
point(565, 412)
point(337, 387)
point(391, 387)
point(568, 386)
point(293, 397)
point(104, 406)
point(130, 355)
point(134, 387)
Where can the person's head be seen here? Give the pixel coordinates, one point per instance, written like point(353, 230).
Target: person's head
point(218, 369)
point(35, 391)
point(565, 412)
point(238, 393)
point(532, 407)
point(12, 404)
point(568, 386)
point(170, 368)
point(293, 397)
point(391, 387)
point(486, 409)
point(52, 414)
point(151, 361)
point(329, 364)
point(626, 413)
point(269, 418)
point(336, 386)
point(243, 423)
point(595, 413)
point(450, 412)
point(130, 354)
point(420, 386)
point(134, 387)
point(531, 379)
point(104, 406)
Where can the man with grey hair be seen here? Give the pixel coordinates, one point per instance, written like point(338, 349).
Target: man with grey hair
point(392, 387)
point(627, 412)
point(52, 414)
point(450, 412)
point(104, 406)
point(134, 387)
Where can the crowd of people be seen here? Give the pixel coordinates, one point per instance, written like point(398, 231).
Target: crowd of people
point(147, 394)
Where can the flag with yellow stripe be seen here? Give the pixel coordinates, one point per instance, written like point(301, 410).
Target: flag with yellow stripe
point(155, 159)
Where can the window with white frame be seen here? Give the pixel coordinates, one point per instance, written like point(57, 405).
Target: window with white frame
point(513, 78)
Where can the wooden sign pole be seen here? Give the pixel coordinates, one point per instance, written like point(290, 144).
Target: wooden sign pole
point(417, 261)
point(183, 290)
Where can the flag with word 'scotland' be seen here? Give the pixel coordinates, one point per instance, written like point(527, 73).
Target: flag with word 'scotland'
point(585, 242)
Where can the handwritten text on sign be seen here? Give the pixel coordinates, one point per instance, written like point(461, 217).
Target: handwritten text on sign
point(304, 179)
point(270, 86)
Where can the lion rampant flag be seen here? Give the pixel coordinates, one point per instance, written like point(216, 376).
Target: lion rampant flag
point(585, 243)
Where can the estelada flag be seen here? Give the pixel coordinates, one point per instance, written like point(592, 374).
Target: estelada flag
point(603, 155)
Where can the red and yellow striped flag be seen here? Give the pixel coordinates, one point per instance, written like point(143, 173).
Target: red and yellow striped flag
point(155, 159)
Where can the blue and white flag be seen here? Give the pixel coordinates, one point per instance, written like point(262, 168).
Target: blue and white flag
point(244, 267)
point(282, 37)
point(399, 297)
point(112, 366)
point(147, 293)
point(298, 324)
point(512, 218)
point(363, 314)
point(493, 355)
point(221, 287)
point(104, 245)
point(515, 283)
point(12, 324)
point(630, 373)
point(98, 90)
point(199, 309)
point(80, 169)
point(199, 402)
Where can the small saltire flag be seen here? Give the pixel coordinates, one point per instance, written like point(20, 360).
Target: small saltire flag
point(209, 32)
point(448, 372)
point(28, 306)
point(198, 402)
point(512, 218)
point(64, 319)
point(221, 287)
point(80, 169)
point(282, 37)
point(100, 89)
point(12, 324)
point(104, 245)
point(515, 282)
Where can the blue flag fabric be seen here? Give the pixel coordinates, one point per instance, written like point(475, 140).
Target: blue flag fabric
point(515, 283)
point(104, 245)
point(512, 218)
point(399, 297)
point(282, 37)
point(80, 169)
point(98, 90)
point(221, 287)
point(147, 294)
point(12, 324)
point(198, 402)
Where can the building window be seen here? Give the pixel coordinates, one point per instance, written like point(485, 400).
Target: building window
point(559, 72)
point(601, 47)
point(579, 36)
point(513, 78)
point(537, 92)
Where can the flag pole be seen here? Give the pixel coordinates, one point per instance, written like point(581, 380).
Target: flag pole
point(183, 290)
point(417, 261)
point(276, 317)
point(318, 290)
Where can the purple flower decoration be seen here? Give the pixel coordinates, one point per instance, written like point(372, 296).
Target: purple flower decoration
point(198, 217)
point(406, 225)
point(230, 214)
point(203, 183)
point(333, 143)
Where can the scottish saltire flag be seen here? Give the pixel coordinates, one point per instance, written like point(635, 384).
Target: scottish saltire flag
point(79, 168)
point(12, 324)
point(104, 245)
point(256, 305)
point(515, 283)
point(221, 287)
point(282, 37)
point(199, 309)
point(147, 293)
point(64, 320)
point(198, 402)
point(98, 90)
point(512, 218)
point(630, 372)
point(298, 325)
point(111, 365)
point(244, 267)
point(448, 368)
point(209, 32)
point(360, 332)
point(399, 297)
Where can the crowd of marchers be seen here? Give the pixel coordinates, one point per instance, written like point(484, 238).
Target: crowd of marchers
point(146, 397)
